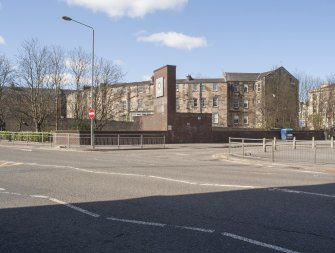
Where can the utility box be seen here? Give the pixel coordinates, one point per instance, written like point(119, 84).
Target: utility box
point(286, 134)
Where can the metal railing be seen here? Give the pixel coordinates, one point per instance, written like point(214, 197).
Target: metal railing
point(26, 138)
point(308, 151)
point(109, 140)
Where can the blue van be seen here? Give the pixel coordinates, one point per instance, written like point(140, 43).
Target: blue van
point(286, 134)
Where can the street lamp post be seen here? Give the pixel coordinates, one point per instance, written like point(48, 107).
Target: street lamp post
point(66, 18)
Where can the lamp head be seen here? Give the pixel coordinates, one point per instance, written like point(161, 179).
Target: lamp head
point(67, 18)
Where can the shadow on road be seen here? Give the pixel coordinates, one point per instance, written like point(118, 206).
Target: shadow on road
point(297, 218)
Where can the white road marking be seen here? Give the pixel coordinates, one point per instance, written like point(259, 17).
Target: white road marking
point(258, 243)
point(74, 207)
point(302, 192)
point(204, 230)
point(7, 163)
point(312, 172)
point(173, 180)
point(148, 176)
point(107, 173)
point(2, 189)
point(11, 193)
point(67, 204)
point(137, 222)
point(156, 224)
point(230, 186)
point(39, 196)
point(26, 149)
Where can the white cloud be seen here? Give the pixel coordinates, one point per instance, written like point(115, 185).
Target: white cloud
point(130, 8)
point(119, 62)
point(175, 40)
point(2, 41)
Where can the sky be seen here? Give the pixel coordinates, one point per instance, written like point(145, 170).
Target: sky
point(203, 38)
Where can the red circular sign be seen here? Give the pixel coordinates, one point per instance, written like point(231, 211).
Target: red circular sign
point(91, 113)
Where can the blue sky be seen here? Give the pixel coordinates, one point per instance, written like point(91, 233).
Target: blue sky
point(202, 38)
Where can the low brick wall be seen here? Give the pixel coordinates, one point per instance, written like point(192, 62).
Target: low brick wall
point(187, 134)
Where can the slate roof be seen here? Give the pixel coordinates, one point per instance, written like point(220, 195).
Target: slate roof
point(203, 80)
point(243, 77)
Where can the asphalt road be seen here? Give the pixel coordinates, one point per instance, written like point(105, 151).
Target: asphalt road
point(179, 199)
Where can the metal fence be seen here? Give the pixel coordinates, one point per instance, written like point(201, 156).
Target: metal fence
point(316, 152)
point(26, 138)
point(109, 140)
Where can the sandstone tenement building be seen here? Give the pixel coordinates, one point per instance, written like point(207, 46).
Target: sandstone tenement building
point(236, 100)
point(319, 112)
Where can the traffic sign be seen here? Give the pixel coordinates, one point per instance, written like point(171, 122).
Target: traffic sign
point(91, 113)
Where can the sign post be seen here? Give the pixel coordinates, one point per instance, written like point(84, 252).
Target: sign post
point(91, 113)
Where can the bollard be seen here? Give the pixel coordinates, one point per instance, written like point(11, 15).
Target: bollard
point(68, 140)
point(313, 142)
point(273, 149)
point(243, 148)
point(294, 143)
point(274, 143)
point(118, 141)
point(141, 141)
point(264, 145)
point(164, 141)
point(229, 143)
point(332, 142)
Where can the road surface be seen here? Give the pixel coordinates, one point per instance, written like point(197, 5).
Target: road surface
point(180, 199)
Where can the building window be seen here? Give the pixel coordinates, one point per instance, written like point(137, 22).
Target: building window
point(215, 101)
point(292, 82)
point(215, 87)
point(245, 104)
point(177, 103)
point(246, 88)
point(203, 102)
point(236, 120)
point(215, 118)
point(234, 88)
point(140, 103)
point(195, 102)
point(140, 89)
point(177, 87)
point(203, 87)
point(235, 104)
point(258, 87)
point(124, 105)
point(195, 87)
point(245, 120)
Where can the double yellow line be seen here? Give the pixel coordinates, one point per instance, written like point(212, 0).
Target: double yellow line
point(8, 163)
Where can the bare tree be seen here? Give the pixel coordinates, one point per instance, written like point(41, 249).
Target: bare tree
point(34, 75)
point(330, 110)
point(307, 84)
point(6, 78)
point(57, 77)
point(107, 98)
point(79, 63)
